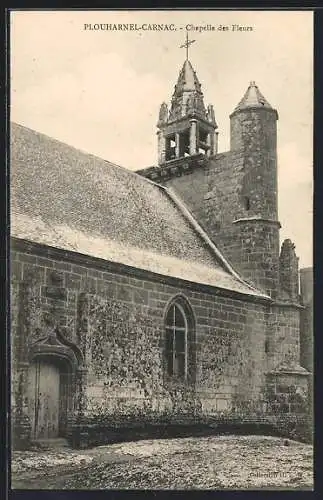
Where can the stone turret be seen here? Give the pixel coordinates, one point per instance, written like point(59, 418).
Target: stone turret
point(254, 139)
point(254, 134)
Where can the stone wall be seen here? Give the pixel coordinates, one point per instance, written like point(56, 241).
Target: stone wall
point(215, 195)
point(115, 316)
point(287, 393)
point(307, 319)
point(118, 323)
point(254, 246)
point(283, 336)
point(211, 191)
point(234, 197)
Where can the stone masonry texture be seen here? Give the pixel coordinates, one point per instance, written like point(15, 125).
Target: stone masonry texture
point(116, 320)
point(248, 357)
point(234, 197)
point(307, 319)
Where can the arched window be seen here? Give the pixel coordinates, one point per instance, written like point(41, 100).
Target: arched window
point(179, 336)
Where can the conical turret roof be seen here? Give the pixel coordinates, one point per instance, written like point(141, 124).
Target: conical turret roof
point(187, 79)
point(253, 98)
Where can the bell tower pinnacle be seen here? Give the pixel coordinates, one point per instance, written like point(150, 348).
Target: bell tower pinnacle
point(187, 128)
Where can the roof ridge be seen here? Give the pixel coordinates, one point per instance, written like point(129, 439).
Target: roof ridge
point(132, 172)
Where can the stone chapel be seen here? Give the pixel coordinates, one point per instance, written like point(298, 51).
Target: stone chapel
point(155, 296)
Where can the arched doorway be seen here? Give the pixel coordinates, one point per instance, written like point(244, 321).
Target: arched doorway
point(52, 388)
point(50, 396)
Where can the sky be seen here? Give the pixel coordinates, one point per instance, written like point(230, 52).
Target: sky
point(100, 90)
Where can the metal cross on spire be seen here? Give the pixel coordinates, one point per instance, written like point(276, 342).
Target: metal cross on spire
point(187, 44)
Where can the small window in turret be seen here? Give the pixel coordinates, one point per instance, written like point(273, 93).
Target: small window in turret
point(247, 203)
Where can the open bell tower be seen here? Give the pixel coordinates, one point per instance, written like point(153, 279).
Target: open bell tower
point(187, 128)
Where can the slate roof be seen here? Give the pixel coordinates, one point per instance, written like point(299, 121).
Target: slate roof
point(253, 98)
point(68, 199)
point(187, 79)
point(187, 89)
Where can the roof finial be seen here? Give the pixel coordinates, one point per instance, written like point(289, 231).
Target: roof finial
point(187, 44)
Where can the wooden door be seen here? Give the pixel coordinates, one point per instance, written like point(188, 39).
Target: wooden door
point(44, 399)
point(65, 399)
